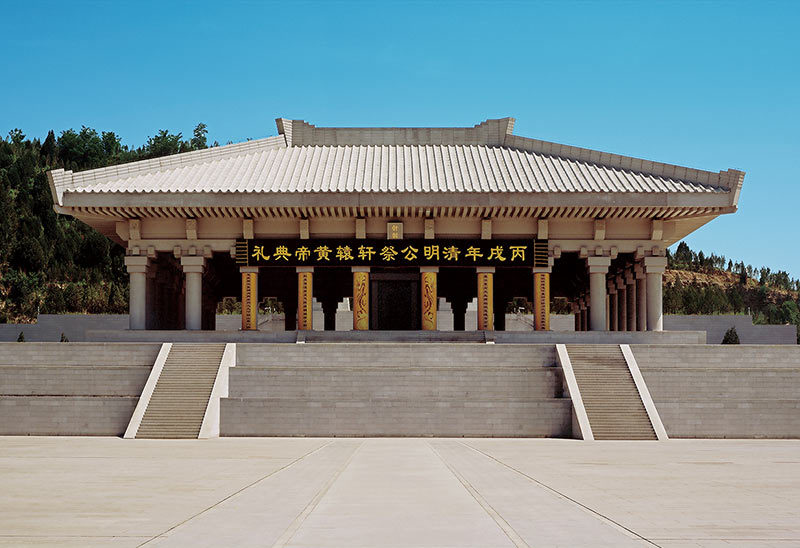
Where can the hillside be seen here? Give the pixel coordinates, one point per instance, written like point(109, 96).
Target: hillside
point(51, 263)
point(698, 284)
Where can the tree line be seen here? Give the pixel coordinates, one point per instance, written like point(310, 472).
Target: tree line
point(771, 297)
point(52, 263)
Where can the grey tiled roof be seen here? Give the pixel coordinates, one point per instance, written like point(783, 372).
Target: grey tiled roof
point(278, 165)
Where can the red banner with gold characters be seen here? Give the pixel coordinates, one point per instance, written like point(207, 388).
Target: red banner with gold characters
point(408, 252)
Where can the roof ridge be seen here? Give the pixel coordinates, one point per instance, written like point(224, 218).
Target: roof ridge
point(489, 132)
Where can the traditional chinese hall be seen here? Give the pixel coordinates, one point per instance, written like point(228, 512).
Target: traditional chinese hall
point(395, 226)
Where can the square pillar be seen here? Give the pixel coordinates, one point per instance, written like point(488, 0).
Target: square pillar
point(613, 302)
point(584, 315)
point(429, 297)
point(622, 304)
point(598, 268)
point(137, 301)
point(360, 298)
point(654, 271)
point(485, 298)
point(150, 297)
point(305, 291)
point(249, 297)
point(576, 311)
point(541, 298)
point(193, 271)
point(630, 291)
point(641, 298)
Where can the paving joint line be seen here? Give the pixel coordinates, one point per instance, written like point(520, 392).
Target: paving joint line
point(248, 486)
point(504, 526)
point(562, 495)
point(290, 531)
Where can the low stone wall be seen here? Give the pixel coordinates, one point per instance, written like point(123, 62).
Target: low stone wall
point(65, 415)
point(265, 417)
point(80, 389)
point(715, 391)
point(716, 326)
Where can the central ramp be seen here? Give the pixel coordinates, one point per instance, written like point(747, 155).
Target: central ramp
point(395, 389)
point(610, 396)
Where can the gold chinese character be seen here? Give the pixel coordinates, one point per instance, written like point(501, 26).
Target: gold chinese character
point(431, 252)
point(282, 252)
point(409, 253)
point(258, 253)
point(496, 253)
point(473, 253)
point(388, 253)
point(344, 253)
point(518, 252)
point(366, 252)
point(451, 253)
point(323, 253)
point(302, 253)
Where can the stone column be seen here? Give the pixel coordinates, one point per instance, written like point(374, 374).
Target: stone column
point(584, 315)
point(598, 268)
point(541, 299)
point(622, 304)
point(137, 302)
point(641, 298)
point(654, 270)
point(429, 297)
point(612, 308)
point(486, 298)
point(305, 291)
point(193, 271)
point(249, 297)
point(150, 298)
point(576, 313)
point(360, 298)
point(630, 291)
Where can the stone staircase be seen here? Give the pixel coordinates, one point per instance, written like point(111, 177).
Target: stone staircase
point(395, 389)
point(613, 405)
point(179, 401)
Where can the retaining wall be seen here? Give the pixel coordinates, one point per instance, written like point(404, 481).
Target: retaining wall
point(395, 389)
point(724, 391)
point(71, 388)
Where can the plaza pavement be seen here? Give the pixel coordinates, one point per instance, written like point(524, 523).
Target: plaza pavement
point(313, 492)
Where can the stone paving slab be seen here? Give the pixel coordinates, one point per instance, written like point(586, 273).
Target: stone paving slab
point(303, 492)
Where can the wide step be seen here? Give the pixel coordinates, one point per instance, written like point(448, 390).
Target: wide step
point(179, 401)
point(613, 405)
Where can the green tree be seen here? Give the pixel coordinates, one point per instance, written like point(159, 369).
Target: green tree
point(163, 144)
point(199, 137)
point(731, 336)
point(790, 313)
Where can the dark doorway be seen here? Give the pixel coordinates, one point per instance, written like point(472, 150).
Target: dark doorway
point(394, 300)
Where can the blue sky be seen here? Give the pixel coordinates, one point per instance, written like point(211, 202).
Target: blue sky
point(702, 84)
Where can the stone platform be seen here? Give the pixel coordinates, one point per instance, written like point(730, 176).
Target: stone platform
point(500, 337)
point(485, 493)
